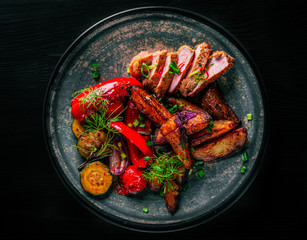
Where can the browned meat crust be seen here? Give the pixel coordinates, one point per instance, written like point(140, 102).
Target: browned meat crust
point(219, 128)
point(136, 63)
point(166, 77)
point(213, 102)
point(159, 59)
point(149, 106)
point(222, 147)
point(218, 63)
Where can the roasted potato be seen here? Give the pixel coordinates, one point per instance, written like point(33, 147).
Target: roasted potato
point(221, 147)
point(214, 103)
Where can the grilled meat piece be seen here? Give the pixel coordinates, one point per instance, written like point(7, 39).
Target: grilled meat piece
point(213, 102)
point(221, 147)
point(136, 63)
point(158, 59)
point(202, 53)
point(219, 128)
point(218, 63)
point(166, 77)
point(149, 106)
point(185, 57)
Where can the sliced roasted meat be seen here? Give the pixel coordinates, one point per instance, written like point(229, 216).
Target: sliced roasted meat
point(136, 63)
point(183, 104)
point(185, 57)
point(221, 147)
point(219, 128)
point(218, 63)
point(202, 53)
point(149, 106)
point(213, 102)
point(158, 60)
point(166, 77)
point(178, 140)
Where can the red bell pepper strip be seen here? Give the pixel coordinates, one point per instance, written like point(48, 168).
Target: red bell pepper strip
point(132, 181)
point(137, 139)
point(113, 90)
point(132, 114)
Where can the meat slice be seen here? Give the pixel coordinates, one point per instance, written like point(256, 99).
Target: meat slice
point(185, 57)
point(136, 63)
point(202, 53)
point(218, 63)
point(158, 59)
point(166, 77)
point(213, 102)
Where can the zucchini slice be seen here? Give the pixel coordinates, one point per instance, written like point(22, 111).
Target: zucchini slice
point(96, 178)
point(77, 127)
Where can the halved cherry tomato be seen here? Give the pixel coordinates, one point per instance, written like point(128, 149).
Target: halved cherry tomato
point(131, 181)
point(113, 90)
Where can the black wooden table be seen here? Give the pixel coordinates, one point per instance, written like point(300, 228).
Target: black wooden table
point(33, 36)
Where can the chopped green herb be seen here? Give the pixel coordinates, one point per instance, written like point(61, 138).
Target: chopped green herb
point(130, 125)
point(244, 156)
point(173, 65)
point(94, 66)
point(243, 169)
point(123, 155)
point(185, 187)
point(142, 71)
point(161, 193)
point(149, 143)
point(147, 158)
point(173, 109)
point(145, 210)
point(152, 66)
point(201, 173)
point(119, 144)
point(209, 127)
point(192, 149)
point(142, 125)
point(135, 123)
point(249, 116)
point(141, 117)
point(128, 70)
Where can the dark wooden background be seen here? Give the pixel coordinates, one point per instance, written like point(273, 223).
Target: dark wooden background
point(33, 36)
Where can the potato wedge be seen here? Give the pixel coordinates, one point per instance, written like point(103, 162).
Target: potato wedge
point(149, 106)
point(222, 147)
point(185, 105)
point(214, 103)
point(219, 128)
point(171, 197)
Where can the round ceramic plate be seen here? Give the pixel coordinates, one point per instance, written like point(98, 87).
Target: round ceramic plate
point(112, 43)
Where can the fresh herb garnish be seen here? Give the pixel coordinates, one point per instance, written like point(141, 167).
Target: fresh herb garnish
point(209, 127)
point(164, 168)
point(96, 74)
point(147, 68)
point(173, 65)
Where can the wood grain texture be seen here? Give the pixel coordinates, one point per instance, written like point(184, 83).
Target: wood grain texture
point(33, 36)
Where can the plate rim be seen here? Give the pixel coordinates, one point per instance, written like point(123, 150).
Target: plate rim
point(221, 207)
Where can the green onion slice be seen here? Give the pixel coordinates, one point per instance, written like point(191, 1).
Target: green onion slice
point(146, 66)
point(173, 65)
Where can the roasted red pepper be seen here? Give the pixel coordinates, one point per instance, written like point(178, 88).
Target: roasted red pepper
point(113, 90)
point(137, 122)
point(136, 138)
point(131, 181)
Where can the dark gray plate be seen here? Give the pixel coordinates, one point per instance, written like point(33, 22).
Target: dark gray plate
point(112, 43)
